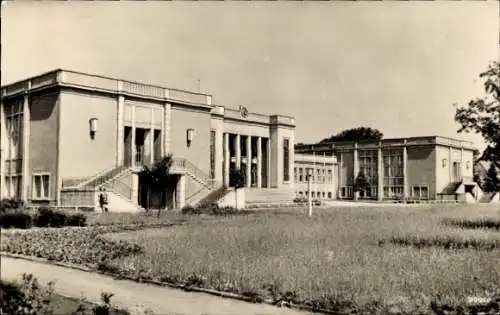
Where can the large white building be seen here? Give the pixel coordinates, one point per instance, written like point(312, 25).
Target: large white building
point(66, 134)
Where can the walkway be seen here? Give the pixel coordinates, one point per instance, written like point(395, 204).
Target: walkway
point(129, 294)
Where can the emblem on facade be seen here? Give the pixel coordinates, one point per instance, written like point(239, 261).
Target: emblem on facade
point(243, 111)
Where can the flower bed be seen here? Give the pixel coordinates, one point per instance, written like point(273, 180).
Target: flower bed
point(82, 246)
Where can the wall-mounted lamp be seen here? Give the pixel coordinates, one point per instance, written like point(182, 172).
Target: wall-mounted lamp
point(92, 127)
point(444, 162)
point(189, 136)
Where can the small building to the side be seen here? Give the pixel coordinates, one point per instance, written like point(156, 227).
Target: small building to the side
point(418, 168)
point(323, 170)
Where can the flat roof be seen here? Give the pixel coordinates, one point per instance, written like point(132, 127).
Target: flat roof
point(389, 142)
point(101, 83)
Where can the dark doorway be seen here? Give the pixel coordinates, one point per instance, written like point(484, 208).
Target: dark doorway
point(157, 197)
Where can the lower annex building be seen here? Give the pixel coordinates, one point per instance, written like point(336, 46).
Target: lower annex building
point(422, 168)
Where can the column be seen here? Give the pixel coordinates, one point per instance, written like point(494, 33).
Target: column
point(380, 173)
point(462, 166)
point(355, 167)
point(450, 165)
point(166, 134)
point(237, 143)
point(133, 148)
point(356, 161)
point(249, 162)
point(120, 129)
point(268, 162)
point(135, 188)
point(259, 162)
point(405, 172)
point(181, 192)
point(339, 184)
point(227, 159)
point(152, 138)
point(3, 151)
point(25, 148)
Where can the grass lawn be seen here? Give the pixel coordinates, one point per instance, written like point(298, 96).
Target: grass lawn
point(339, 255)
point(361, 258)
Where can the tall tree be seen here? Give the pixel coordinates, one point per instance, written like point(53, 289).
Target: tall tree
point(491, 181)
point(355, 134)
point(482, 115)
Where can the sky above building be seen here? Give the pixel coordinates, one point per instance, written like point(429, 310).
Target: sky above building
point(394, 66)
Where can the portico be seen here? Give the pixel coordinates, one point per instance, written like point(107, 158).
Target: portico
point(250, 153)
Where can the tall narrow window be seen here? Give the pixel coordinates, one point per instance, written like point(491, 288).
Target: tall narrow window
point(212, 154)
point(41, 187)
point(457, 174)
point(286, 159)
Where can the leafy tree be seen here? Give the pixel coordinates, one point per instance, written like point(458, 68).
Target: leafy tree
point(156, 177)
point(361, 183)
point(491, 181)
point(482, 115)
point(356, 134)
point(237, 178)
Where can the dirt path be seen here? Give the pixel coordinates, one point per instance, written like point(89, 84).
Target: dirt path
point(128, 294)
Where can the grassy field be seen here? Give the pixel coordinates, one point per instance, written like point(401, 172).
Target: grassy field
point(355, 256)
point(366, 259)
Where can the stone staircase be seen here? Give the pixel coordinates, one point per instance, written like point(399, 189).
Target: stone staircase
point(118, 183)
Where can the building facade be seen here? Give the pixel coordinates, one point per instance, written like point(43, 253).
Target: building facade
point(323, 170)
point(65, 134)
point(425, 168)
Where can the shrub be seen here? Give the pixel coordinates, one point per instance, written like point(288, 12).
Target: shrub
point(76, 219)
point(16, 219)
point(27, 298)
point(191, 210)
point(10, 204)
point(47, 217)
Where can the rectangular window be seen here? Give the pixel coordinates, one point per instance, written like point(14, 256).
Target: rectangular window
point(300, 175)
point(286, 160)
point(420, 192)
point(41, 187)
point(212, 154)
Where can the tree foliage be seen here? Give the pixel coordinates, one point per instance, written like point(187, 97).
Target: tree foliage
point(355, 134)
point(237, 178)
point(482, 115)
point(157, 175)
point(361, 183)
point(491, 181)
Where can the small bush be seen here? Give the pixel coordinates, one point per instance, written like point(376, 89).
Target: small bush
point(77, 219)
point(26, 298)
point(191, 210)
point(10, 204)
point(47, 217)
point(16, 219)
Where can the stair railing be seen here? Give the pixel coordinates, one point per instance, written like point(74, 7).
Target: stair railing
point(194, 170)
point(105, 177)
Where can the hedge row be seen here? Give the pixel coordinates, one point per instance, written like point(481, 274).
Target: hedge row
point(44, 217)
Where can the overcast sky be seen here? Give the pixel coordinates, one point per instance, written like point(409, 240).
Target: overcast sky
point(395, 66)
